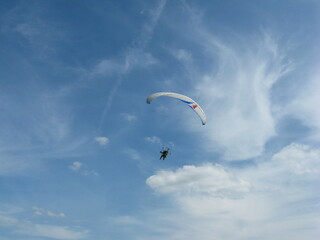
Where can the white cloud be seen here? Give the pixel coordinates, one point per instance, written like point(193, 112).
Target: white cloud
point(75, 166)
point(80, 168)
point(148, 28)
point(237, 98)
point(51, 231)
point(278, 199)
point(234, 90)
point(305, 106)
point(153, 139)
point(42, 212)
point(102, 140)
point(106, 67)
point(211, 180)
point(24, 228)
point(299, 158)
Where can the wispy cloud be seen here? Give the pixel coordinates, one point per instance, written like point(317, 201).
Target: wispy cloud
point(304, 105)
point(51, 231)
point(235, 87)
point(38, 125)
point(81, 169)
point(153, 139)
point(25, 227)
point(107, 67)
point(6, 221)
point(36, 32)
point(237, 98)
point(42, 212)
point(49, 120)
point(134, 154)
point(128, 117)
point(75, 166)
point(127, 220)
point(148, 28)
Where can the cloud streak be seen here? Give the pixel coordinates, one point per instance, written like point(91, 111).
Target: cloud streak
point(38, 125)
point(26, 21)
point(51, 231)
point(27, 228)
point(42, 212)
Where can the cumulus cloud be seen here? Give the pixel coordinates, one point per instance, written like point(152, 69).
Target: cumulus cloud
point(211, 180)
point(274, 199)
point(300, 159)
point(102, 141)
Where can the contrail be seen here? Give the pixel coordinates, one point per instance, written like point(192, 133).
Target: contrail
point(110, 99)
point(141, 43)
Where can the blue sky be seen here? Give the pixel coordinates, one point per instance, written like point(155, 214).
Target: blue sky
point(79, 146)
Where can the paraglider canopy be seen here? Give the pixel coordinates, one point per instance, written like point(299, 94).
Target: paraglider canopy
point(191, 103)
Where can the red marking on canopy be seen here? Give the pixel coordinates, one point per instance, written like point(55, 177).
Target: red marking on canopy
point(194, 106)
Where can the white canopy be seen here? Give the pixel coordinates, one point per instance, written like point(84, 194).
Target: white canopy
point(182, 98)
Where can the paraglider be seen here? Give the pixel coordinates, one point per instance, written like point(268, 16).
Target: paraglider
point(164, 153)
point(191, 103)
